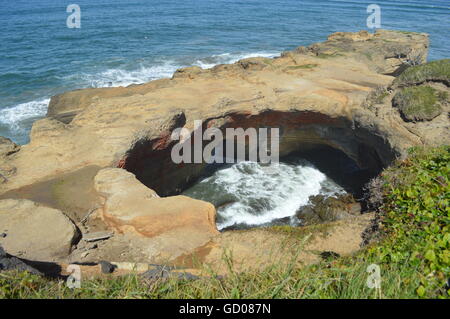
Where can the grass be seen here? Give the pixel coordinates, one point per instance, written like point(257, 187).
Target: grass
point(303, 232)
point(375, 97)
point(304, 66)
point(433, 71)
point(368, 55)
point(413, 254)
point(407, 32)
point(344, 279)
point(418, 103)
point(329, 55)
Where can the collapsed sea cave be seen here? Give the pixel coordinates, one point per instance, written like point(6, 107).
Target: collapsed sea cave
point(319, 156)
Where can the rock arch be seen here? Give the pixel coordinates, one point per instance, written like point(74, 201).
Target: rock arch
point(306, 132)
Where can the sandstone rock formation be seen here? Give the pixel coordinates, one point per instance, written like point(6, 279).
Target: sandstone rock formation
point(420, 96)
point(314, 94)
point(336, 94)
point(129, 206)
point(35, 232)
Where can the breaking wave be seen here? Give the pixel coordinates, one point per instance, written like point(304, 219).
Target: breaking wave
point(17, 120)
point(250, 194)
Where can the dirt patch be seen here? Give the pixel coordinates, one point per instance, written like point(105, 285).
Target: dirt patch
point(255, 249)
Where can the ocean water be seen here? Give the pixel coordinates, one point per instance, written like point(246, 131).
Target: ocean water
point(250, 194)
point(123, 42)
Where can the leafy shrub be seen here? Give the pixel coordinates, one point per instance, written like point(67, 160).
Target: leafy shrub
point(417, 217)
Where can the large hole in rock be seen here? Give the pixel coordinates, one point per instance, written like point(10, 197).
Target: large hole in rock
point(251, 194)
point(319, 155)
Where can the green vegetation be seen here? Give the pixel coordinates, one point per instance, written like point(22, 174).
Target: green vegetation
point(433, 71)
point(417, 218)
point(268, 61)
point(380, 97)
point(413, 254)
point(407, 32)
point(329, 55)
point(304, 66)
point(368, 55)
point(375, 97)
point(418, 103)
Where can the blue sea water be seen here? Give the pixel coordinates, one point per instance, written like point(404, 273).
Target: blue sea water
point(123, 42)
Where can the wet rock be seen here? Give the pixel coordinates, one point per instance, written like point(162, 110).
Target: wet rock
point(308, 216)
point(323, 209)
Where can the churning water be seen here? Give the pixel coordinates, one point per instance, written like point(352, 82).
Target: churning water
point(250, 194)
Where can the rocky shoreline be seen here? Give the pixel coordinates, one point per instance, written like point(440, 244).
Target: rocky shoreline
point(99, 163)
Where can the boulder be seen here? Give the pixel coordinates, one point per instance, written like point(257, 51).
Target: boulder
point(131, 207)
point(35, 232)
point(308, 216)
point(323, 209)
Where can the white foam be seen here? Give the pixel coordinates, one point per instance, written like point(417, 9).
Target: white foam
point(17, 117)
point(143, 74)
point(122, 77)
point(228, 58)
point(266, 193)
point(14, 116)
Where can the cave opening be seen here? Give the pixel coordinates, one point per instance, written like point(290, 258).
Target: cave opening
point(319, 156)
point(251, 194)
